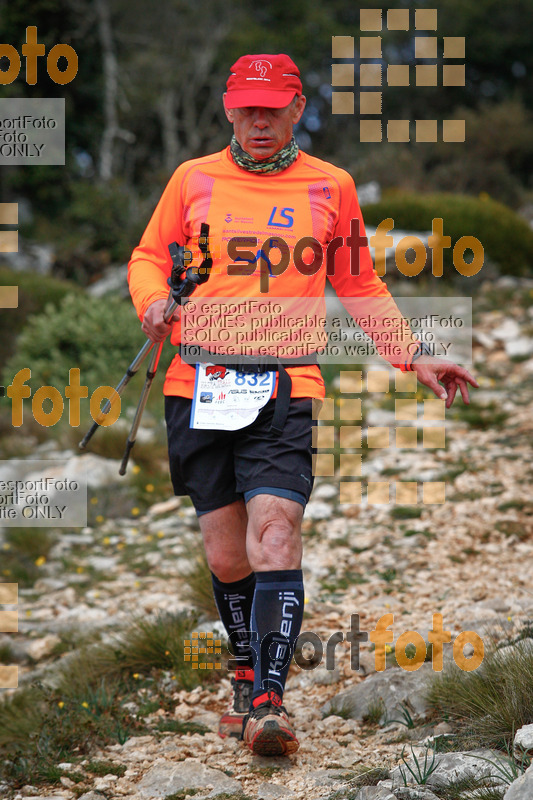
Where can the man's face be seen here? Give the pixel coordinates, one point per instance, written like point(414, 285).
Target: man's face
point(264, 131)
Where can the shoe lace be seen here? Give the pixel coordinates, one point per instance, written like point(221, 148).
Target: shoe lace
point(267, 708)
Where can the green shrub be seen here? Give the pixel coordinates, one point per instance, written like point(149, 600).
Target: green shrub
point(506, 238)
point(107, 217)
point(35, 292)
point(100, 337)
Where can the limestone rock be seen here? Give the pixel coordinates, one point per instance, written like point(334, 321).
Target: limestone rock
point(40, 648)
point(395, 687)
point(273, 791)
point(522, 788)
point(523, 741)
point(168, 778)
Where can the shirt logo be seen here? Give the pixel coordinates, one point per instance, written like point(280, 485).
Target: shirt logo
point(282, 215)
point(216, 372)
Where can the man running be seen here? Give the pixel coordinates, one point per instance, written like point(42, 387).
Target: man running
point(250, 480)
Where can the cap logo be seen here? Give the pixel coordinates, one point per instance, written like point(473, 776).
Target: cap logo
point(261, 67)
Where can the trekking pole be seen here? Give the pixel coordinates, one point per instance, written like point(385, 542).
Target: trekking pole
point(130, 372)
point(181, 286)
point(182, 282)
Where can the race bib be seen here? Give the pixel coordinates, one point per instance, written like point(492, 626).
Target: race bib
point(227, 400)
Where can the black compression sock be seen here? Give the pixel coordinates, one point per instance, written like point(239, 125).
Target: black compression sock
point(234, 603)
point(277, 615)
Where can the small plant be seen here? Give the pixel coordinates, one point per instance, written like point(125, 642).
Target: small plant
point(421, 770)
point(375, 712)
point(406, 512)
point(506, 768)
point(340, 708)
point(490, 703)
point(105, 768)
point(406, 720)
point(370, 776)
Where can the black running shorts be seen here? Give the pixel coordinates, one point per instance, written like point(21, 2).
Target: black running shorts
point(216, 468)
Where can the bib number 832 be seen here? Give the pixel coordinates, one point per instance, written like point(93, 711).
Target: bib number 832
point(251, 378)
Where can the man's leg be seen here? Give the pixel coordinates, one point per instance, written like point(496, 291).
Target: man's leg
point(274, 552)
point(224, 535)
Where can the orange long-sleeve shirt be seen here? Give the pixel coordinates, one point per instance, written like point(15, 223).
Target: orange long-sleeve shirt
point(311, 198)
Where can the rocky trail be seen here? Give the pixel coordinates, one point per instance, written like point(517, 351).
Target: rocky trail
point(468, 559)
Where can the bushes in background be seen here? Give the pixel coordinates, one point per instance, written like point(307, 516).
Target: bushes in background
point(100, 337)
point(506, 237)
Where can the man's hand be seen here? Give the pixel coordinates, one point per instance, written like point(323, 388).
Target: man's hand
point(154, 325)
point(433, 371)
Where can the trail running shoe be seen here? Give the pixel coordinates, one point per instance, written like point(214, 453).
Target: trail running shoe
point(241, 696)
point(267, 730)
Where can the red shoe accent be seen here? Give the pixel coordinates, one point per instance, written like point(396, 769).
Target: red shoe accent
point(267, 697)
point(244, 675)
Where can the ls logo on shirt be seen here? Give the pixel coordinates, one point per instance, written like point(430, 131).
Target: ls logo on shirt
point(282, 215)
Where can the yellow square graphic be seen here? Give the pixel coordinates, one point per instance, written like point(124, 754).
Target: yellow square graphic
point(435, 437)
point(323, 464)
point(406, 409)
point(426, 75)
point(342, 46)
point(377, 380)
point(370, 19)
point(454, 47)
point(9, 213)
point(370, 130)
point(9, 296)
point(406, 493)
point(351, 381)
point(9, 677)
point(453, 130)
point(9, 620)
point(349, 408)
point(350, 492)
point(370, 103)
point(342, 102)
point(378, 437)
point(350, 465)
point(398, 75)
point(378, 492)
point(370, 75)
point(426, 19)
point(370, 46)
point(406, 381)
point(9, 241)
point(342, 75)
point(434, 492)
point(398, 19)
point(398, 130)
point(406, 437)
point(426, 130)
point(425, 47)
point(434, 409)
point(9, 592)
point(453, 75)
point(351, 436)
point(323, 436)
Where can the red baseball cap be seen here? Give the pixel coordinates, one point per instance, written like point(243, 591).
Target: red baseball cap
point(268, 81)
